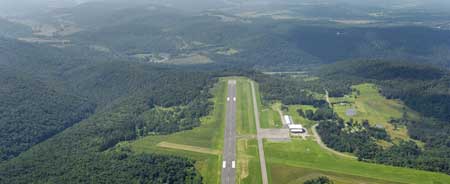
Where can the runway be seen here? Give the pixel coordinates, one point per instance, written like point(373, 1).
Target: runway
point(229, 149)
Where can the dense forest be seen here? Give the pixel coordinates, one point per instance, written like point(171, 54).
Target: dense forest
point(32, 111)
point(288, 91)
point(268, 44)
point(78, 108)
point(77, 154)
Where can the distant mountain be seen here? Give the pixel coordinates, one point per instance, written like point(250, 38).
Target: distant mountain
point(13, 30)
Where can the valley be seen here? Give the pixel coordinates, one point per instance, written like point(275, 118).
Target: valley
point(225, 91)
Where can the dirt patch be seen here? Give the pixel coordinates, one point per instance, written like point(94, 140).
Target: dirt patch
point(189, 148)
point(191, 60)
point(243, 159)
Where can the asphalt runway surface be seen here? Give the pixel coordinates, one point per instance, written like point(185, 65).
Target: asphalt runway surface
point(229, 149)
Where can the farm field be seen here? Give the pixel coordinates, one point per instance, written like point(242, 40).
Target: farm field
point(369, 104)
point(208, 137)
point(300, 160)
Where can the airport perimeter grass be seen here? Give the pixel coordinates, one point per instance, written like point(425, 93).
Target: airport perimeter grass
point(371, 105)
point(269, 116)
point(248, 167)
point(245, 120)
point(303, 159)
point(209, 136)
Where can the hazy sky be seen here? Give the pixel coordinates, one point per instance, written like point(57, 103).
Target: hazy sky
point(18, 7)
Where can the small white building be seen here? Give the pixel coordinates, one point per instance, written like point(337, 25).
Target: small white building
point(296, 128)
point(288, 120)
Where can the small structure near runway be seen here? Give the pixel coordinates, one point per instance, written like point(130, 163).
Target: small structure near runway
point(291, 129)
point(288, 120)
point(296, 129)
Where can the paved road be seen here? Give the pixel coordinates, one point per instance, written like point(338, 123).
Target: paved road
point(229, 149)
point(262, 158)
point(327, 98)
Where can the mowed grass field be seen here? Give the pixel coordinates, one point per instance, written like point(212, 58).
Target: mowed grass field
point(245, 119)
point(248, 166)
point(203, 144)
point(269, 116)
point(300, 160)
point(371, 105)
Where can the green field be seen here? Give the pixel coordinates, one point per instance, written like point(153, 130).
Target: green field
point(299, 160)
point(268, 112)
point(209, 136)
point(248, 167)
point(269, 116)
point(371, 105)
point(245, 120)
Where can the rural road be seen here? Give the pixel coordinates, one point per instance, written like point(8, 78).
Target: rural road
point(229, 149)
point(327, 98)
point(262, 158)
point(321, 144)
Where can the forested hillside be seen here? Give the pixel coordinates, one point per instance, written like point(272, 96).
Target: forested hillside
point(32, 111)
point(78, 80)
point(64, 157)
point(52, 91)
point(270, 44)
point(75, 155)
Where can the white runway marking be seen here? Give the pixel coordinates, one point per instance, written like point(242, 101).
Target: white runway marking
point(224, 164)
